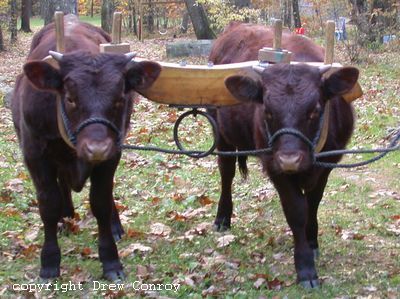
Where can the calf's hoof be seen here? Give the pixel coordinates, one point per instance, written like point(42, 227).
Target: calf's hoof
point(309, 284)
point(49, 272)
point(114, 275)
point(117, 232)
point(221, 225)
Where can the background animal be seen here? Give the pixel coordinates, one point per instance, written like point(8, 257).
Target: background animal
point(282, 97)
point(94, 92)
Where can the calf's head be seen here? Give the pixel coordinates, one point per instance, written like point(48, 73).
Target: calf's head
point(291, 97)
point(95, 92)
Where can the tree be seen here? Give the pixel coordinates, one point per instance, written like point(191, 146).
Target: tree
point(296, 14)
point(374, 18)
point(199, 19)
point(2, 48)
point(49, 7)
point(107, 11)
point(241, 3)
point(287, 13)
point(13, 20)
point(26, 11)
point(185, 22)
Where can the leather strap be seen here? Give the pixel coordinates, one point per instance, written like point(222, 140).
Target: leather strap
point(325, 128)
point(60, 124)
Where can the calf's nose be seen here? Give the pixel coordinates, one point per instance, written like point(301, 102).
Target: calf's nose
point(289, 162)
point(97, 151)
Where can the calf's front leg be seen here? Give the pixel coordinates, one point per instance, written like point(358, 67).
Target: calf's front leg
point(102, 205)
point(44, 177)
point(295, 207)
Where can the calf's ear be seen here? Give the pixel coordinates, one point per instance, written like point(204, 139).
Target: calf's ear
point(341, 81)
point(244, 88)
point(43, 76)
point(141, 75)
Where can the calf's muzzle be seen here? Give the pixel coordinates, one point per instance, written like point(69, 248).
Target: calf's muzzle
point(97, 151)
point(289, 161)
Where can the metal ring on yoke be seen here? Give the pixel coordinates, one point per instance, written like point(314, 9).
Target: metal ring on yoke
point(213, 124)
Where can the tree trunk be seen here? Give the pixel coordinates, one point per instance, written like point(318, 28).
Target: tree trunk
point(398, 14)
point(185, 22)
point(107, 11)
point(241, 3)
point(199, 19)
point(2, 48)
point(287, 13)
point(296, 14)
point(49, 7)
point(150, 17)
point(26, 11)
point(13, 20)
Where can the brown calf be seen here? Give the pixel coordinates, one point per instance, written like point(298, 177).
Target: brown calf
point(94, 95)
point(283, 108)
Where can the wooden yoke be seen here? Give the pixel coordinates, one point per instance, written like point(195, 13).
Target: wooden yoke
point(116, 46)
point(195, 85)
point(275, 54)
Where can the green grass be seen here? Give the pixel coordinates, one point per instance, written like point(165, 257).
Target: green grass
point(361, 203)
point(36, 22)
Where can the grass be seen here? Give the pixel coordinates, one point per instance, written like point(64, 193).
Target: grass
point(359, 216)
point(36, 22)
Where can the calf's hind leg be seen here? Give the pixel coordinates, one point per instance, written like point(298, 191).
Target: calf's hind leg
point(67, 205)
point(226, 167)
point(116, 226)
point(314, 198)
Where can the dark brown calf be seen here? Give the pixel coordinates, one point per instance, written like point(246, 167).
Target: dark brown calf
point(95, 91)
point(287, 99)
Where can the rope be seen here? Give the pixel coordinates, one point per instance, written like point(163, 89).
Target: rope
point(197, 154)
point(393, 146)
point(384, 151)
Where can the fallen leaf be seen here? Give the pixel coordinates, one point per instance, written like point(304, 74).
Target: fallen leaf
point(160, 229)
point(15, 185)
point(259, 282)
point(225, 240)
point(205, 200)
point(141, 271)
point(86, 251)
point(133, 248)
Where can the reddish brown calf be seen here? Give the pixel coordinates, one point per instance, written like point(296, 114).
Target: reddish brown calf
point(283, 98)
point(95, 91)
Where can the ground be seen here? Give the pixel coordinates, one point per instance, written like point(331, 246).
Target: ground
point(167, 205)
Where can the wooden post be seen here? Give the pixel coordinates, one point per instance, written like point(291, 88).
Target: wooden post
point(116, 28)
point(329, 42)
point(140, 20)
point(275, 54)
point(116, 46)
point(277, 44)
point(59, 22)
